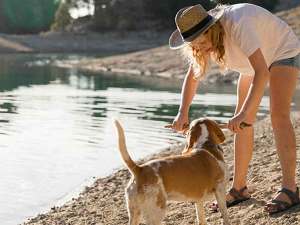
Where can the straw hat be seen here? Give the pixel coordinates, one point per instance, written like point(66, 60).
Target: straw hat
point(191, 22)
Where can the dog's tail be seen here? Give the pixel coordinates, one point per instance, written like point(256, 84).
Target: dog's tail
point(131, 165)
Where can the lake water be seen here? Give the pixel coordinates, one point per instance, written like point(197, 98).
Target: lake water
point(56, 132)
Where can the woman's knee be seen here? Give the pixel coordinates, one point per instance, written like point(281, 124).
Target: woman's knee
point(280, 118)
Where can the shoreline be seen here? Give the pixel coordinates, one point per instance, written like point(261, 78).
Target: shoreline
point(103, 202)
point(107, 44)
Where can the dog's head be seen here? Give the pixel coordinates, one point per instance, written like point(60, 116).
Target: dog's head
point(202, 130)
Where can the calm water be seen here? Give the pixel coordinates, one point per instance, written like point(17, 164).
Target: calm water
point(56, 132)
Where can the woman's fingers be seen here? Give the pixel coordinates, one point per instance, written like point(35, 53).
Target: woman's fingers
point(178, 126)
point(244, 125)
point(232, 126)
point(173, 126)
point(237, 127)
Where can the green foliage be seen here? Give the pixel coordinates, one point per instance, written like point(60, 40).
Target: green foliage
point(62, 17)
point(28, 15)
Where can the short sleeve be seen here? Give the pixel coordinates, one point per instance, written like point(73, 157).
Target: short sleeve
point(245, 36)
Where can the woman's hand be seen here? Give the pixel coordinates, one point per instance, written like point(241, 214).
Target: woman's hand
point(181, 122)
point(235, 122)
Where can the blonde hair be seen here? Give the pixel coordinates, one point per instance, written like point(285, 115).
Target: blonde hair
point(200, 60)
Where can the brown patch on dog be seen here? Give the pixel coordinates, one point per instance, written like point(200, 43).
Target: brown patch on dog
point(191, 164)
point(215, 133)
point(192, 136)
point(145, 178)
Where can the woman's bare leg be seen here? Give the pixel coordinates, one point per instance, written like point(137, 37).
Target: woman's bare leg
point(243, 141)
point(282, 86)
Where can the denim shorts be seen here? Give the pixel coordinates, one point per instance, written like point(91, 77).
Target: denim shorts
point(294, 62)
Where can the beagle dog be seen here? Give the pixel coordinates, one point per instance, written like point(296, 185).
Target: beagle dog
point(193, 176)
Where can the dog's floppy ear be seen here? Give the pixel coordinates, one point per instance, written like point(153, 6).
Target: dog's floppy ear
point(192, 136)
point(215, 132)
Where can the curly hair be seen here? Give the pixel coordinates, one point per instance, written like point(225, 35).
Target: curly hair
point(200, 60)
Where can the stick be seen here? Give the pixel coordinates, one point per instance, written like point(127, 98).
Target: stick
point(221, 125)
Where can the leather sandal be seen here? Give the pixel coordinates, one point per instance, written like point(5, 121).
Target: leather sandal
point(280, 206)
point(237, 197)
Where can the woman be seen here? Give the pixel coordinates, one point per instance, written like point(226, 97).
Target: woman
point(262, 48)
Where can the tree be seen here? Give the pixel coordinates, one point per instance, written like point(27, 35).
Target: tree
point(62, 17)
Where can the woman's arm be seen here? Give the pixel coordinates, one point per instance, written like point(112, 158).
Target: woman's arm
point(256, 91)
point(188, 91)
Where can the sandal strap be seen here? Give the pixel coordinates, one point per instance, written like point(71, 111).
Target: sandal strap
point(237, 194)
point(281, 205)
point(293, 196)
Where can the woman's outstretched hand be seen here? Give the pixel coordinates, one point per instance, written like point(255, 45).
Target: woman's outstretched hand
point(180, 123)
point(238, 122)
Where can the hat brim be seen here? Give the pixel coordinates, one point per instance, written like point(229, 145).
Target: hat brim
point(176, 41)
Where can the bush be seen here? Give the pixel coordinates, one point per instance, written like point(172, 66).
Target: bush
point(62, 17)
point(28, 16)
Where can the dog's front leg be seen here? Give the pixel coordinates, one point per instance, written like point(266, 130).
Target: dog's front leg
point(200, 213)
point(220, 194)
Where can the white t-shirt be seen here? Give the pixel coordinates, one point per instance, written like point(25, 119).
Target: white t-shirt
point(249, 27)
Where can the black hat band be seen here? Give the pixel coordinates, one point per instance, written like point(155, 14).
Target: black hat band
point(197, 27)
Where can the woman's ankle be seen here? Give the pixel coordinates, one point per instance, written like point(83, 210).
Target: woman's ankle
point(239, 185)
point(292, 186)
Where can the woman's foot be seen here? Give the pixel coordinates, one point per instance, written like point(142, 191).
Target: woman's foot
point(284, 200)
point(233, 198)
